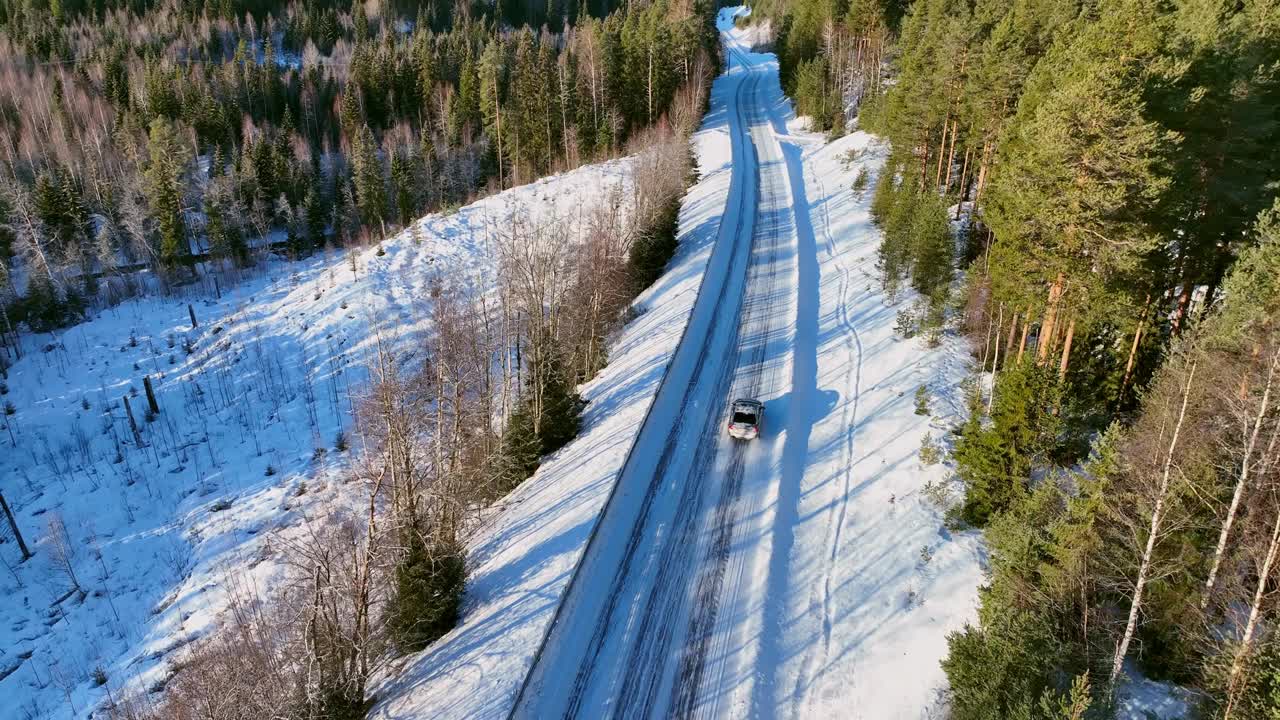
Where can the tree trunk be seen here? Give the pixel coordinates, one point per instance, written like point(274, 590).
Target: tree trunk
point(1026, 325)
point(650, 85)
point(964, 183)
point(995, 361)
point(1184, 302)
point(1050, 318)
point(13, 525)
point(1242, 480)
point(942, 154)
point(1133, 350)
point(133, 424)
point(1066, 350)
point(983, 166)
point(986, 347)
point(951, 158)
point(1153, 532)
point(1251, 626)
point(497, 114)
point(151, 395)
point(1013, 331)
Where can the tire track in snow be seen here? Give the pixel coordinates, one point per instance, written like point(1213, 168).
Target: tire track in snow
point(664, 601)
point(808, 678)
point(728, 511)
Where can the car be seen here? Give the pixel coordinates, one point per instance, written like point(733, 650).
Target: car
point(745, 419)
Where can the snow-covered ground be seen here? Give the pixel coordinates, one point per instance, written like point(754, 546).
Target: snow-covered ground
point(241, 454)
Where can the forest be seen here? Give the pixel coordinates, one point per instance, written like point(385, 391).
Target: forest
point(1087, 190)
point(157, 136)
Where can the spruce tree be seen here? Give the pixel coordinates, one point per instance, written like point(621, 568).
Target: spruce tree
point(165, 190)
point(369, 178)
point(427, 590)
point(561, 408)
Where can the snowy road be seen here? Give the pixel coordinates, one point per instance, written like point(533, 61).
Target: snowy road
point(657, 620)
point(804, 574)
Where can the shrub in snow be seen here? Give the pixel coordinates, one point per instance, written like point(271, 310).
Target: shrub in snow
point(930, 451)
point(9, 409)
point(937, 493)
point(922, 400)
point(861, 181)
point(906, 324)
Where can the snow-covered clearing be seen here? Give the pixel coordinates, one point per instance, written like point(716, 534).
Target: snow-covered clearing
point(241, 454)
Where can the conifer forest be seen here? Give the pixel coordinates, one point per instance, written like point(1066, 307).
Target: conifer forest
point(1111, 170)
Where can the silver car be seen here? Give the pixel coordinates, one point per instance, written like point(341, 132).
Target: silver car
point(745, 419)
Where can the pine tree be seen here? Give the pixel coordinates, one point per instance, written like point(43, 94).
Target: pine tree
point(812, 94)
point(995, 461)
point(1079, 172)
point(932, 247)
point(1219, 96)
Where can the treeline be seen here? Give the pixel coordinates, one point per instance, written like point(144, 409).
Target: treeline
point(163, 135)
point(831, 53)
point(1106, 166)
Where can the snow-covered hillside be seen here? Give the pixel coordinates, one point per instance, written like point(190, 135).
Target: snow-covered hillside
point(242, 452)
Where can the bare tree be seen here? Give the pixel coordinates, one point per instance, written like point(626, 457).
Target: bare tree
point(62, 552)
point(1253, 429)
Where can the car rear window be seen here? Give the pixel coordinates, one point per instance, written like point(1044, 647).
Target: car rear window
point(744, 418)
